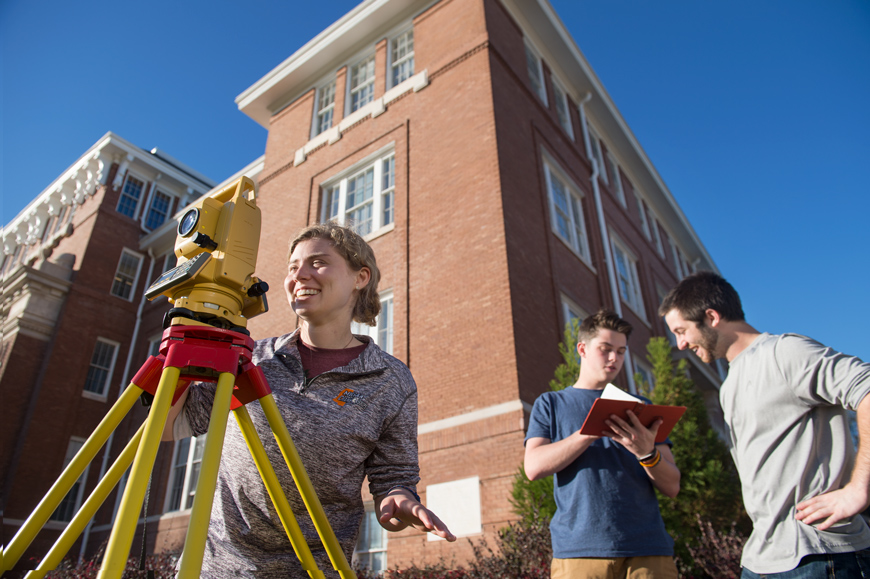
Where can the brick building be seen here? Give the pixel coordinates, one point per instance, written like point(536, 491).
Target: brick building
point(503, 194)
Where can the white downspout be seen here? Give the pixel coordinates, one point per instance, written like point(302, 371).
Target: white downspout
point(124, 377)
point(605, 238)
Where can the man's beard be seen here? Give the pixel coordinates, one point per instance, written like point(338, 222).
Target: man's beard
point(709, 340)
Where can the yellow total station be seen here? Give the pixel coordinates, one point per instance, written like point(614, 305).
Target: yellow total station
point(216, 247)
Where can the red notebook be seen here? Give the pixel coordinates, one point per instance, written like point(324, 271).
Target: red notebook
point(619, 402)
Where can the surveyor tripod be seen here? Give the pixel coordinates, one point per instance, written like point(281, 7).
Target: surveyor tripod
point(188, 352)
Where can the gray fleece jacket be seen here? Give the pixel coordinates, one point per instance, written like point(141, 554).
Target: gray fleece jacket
point(352, 422)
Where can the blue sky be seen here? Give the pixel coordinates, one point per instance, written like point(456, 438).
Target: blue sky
point(755, 114)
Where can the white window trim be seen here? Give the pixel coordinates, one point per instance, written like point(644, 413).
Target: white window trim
point(141, 258)
point(634, 301)
point(644, 222)
point(386, 298)
point(185, 491)
point(374, 160)
point(151, 198)
point(369, 508)
point(569, 305)
point(542, 94)
point(561, 95)
point(142, 195)
point(598, 153)
point(348, 100)
point(551, 169)
point(83, 479)
point(331, 80)
point(678, 267)
point(655, 225)
point(643, 367)
point(103, 396)
point(617, 183)
point(390, 64)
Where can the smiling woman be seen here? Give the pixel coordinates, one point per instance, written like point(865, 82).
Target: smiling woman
point(336, 392)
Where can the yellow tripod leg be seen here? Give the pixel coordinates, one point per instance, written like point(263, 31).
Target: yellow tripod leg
point(279, 499)
point(306, 489)
point(87, 511)
point(68, 477)
point(131, 504)
point(197, 528)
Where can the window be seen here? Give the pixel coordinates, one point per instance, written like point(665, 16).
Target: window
point(130, 194)
point(654, 225)
point(615, 179)
point(365, 199)
point(102, 364)
point(382, 331)
point(71, 502)
point(387, 190)
point(646, 377)
point(362, 83)
point(597, 155)
point(536, 72)
point(186, 463)
point(402, 57)
point(325, 106)
point(672, 339)
point(566, 211)
point(641, 210)
point(159, 210)
point(371, 543)
point(562, 108)
point(678, 265)
point(126, 275)
point(626, 277)
point(572, 312)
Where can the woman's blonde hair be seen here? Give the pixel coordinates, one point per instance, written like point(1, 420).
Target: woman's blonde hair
point(358, 254)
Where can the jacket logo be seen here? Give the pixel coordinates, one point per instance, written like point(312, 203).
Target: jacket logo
point(347, 396)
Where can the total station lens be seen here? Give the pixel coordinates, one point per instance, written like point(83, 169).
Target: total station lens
point(188, 222)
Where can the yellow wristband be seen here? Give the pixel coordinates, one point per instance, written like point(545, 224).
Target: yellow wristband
point(653, 461)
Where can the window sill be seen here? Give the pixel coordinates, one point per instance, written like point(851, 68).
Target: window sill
point(94, 396)
point(640, 314)
point(579, 255)
point(382, 231)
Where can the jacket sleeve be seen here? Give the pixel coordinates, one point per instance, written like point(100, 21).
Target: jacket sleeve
point(394, 460)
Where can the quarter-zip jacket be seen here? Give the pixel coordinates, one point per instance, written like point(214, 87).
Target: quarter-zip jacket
point(352, 422)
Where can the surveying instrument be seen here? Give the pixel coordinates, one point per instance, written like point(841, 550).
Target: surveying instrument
point(214, 293)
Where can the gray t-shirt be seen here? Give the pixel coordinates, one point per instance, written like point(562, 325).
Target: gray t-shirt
point(784, 403)
point(355, 421)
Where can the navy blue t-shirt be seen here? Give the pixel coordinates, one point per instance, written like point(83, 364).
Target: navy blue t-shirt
point(605, 503)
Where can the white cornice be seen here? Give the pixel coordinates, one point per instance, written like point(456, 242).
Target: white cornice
point(296, 75)
point(539, 20)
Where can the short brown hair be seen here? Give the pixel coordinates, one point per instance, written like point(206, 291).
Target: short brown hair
point(358, 254)
point(702, 291)
point(603, 319)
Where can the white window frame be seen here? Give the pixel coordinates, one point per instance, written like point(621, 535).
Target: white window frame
point(77, 491)
point(135, 282)
point(370, 520)
point(393, 64)
point(644, 222)
point(616, 179)
point(598, 154)
point(678, 267)
point(382, 332)
point(188, 485)
point(336, 209)
point(123, 194)
point(571, 311)
point(102, 395)
point(563, 112)
point(654, 225)
point(151, 208)
point(578, 239)
point(320, 111)
point(536, 77)
point(367, 85)
point(631, 294)
point(645, 371)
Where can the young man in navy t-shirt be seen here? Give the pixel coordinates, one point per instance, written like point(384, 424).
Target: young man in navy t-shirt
point(607, 521)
